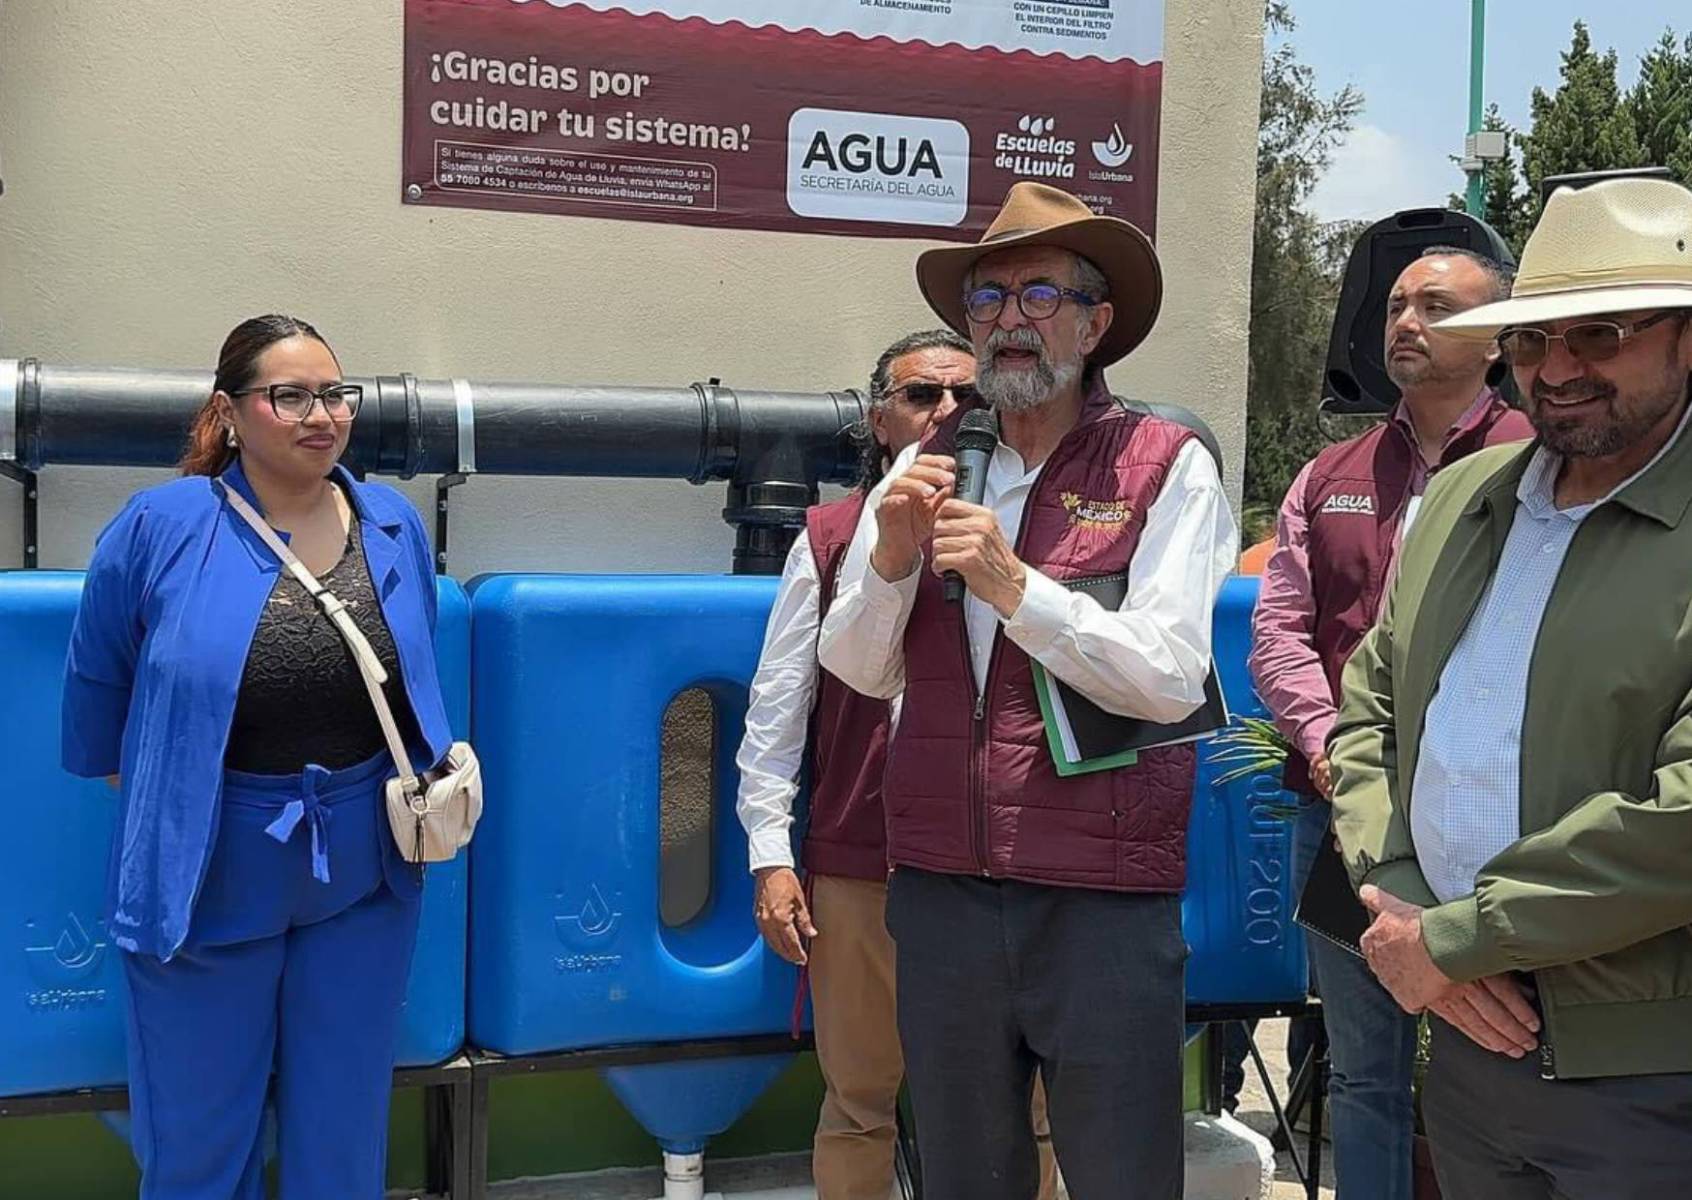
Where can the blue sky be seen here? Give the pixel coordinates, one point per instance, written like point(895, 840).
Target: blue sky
point(1411, 62)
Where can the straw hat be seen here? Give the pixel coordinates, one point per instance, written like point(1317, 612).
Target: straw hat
point(1618, 246)
point(1036, 214)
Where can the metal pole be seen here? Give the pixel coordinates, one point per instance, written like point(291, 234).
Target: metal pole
point(1477, 70)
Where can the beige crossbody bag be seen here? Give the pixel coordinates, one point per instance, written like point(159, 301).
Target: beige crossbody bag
point(431, 819)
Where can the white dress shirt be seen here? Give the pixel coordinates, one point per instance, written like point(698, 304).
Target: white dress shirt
point(1148, 660)
point(778, 713)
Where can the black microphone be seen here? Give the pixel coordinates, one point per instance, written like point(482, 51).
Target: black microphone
point(978, 437)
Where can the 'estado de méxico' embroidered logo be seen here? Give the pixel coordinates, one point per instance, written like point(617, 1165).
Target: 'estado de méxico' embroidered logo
point(1096, 514)
point(1359, 503)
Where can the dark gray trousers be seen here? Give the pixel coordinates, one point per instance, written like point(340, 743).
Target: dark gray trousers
point(1500, 1132)
point(998, 979)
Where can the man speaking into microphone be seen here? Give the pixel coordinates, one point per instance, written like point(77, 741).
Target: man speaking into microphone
point(1036, 915)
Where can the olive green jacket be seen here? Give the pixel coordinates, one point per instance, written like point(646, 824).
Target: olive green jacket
point(1596, 897)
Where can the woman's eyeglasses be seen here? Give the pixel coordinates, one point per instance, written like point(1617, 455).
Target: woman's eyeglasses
point(292, 402)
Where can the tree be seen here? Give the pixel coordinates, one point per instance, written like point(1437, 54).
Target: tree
point(1586, 125)
point(1661, 106)
point(1296, 265)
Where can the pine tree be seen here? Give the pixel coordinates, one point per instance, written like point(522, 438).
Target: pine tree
point(1661, 106)
point(1586, 125)
point(1296, 264)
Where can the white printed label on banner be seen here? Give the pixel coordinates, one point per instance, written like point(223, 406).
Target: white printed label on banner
point(853, 166)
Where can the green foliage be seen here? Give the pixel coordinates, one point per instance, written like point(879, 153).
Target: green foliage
point(1588, 124)
point(1252, 746)
point(1661, 106)
point(1296, 264)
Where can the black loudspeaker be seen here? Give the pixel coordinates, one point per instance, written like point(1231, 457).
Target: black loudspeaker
point(1355, 382)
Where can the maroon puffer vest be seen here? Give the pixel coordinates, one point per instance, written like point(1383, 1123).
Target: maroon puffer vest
point(1354, 501)
point(848, 829)
point(971, 789)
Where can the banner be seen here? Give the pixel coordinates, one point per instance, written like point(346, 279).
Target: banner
point(865, 117)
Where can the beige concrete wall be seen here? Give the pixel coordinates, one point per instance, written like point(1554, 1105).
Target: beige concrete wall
point(174, 165)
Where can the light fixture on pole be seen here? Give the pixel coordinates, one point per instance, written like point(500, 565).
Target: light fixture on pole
point(1479, 141)
point(1479, 148)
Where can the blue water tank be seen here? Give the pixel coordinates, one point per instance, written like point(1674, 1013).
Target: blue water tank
point(571, 680)
point(432, 1025)
point(61, 984)
point(1237, 910)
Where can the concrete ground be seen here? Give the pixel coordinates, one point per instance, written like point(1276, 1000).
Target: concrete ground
point(1254, 1111)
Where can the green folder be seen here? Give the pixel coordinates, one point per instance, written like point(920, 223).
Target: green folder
point(1083, 737)
point(1054, 717)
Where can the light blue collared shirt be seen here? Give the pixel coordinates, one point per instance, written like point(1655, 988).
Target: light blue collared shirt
point(1468, 769)
point(172, 598)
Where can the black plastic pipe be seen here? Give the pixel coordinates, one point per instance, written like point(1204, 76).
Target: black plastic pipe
point(772, 448)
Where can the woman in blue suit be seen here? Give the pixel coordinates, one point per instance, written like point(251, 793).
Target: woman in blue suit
point(267, 916)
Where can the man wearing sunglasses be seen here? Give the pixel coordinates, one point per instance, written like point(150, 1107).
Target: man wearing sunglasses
point(1037, 916)
point(1513, 755)
point(834, 925)
point(1336, 546)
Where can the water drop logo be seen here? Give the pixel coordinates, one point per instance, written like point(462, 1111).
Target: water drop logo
point(592, 924)
point(1115, 151)
point(72, 957)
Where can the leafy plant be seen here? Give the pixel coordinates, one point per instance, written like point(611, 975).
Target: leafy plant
point(1252, 746)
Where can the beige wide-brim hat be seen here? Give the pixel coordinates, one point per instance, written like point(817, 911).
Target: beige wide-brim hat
point(1624, 245)
point(1037, 214)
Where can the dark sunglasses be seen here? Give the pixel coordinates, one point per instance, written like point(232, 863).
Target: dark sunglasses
point(1590, 341)
point(926, 395)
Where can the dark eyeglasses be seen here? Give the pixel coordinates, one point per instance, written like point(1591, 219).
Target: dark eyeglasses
point(1037, 301)
point(926, 395)
point(292, 402)
point(1590, 341)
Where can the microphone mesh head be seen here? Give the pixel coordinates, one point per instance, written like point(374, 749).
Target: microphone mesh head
point(979, 430)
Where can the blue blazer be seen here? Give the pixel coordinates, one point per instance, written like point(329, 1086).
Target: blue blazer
point(172, 598)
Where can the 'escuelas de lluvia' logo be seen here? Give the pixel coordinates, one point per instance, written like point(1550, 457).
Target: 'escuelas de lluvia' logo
point(1096, 514)
point(853, 166)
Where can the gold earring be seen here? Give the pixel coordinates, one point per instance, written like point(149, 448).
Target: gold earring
point(234, 442)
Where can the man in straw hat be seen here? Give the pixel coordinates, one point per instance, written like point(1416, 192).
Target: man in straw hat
point(1037, 915)
point(1513, 757)
point(1336, 542)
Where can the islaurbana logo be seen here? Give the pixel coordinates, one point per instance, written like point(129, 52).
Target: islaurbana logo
point(1114, 150)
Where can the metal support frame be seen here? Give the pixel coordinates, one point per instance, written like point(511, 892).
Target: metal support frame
point(487, 1066)
point(1310, 1082)
point(448, 1117)
point(443, 502)
point(31, 511)
point(456, 1112)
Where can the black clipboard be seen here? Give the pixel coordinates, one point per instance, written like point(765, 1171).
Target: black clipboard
point(1105, 740)
point(1327, 907)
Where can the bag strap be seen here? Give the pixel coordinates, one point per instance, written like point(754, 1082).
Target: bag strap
point(370, 667)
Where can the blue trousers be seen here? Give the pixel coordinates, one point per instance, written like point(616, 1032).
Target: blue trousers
point(1371, 1053)
point(296, 965)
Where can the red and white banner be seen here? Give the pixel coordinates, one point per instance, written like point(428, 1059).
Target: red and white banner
point(871, 117)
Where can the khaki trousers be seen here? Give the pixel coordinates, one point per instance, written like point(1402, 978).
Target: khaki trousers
point(852, 999)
